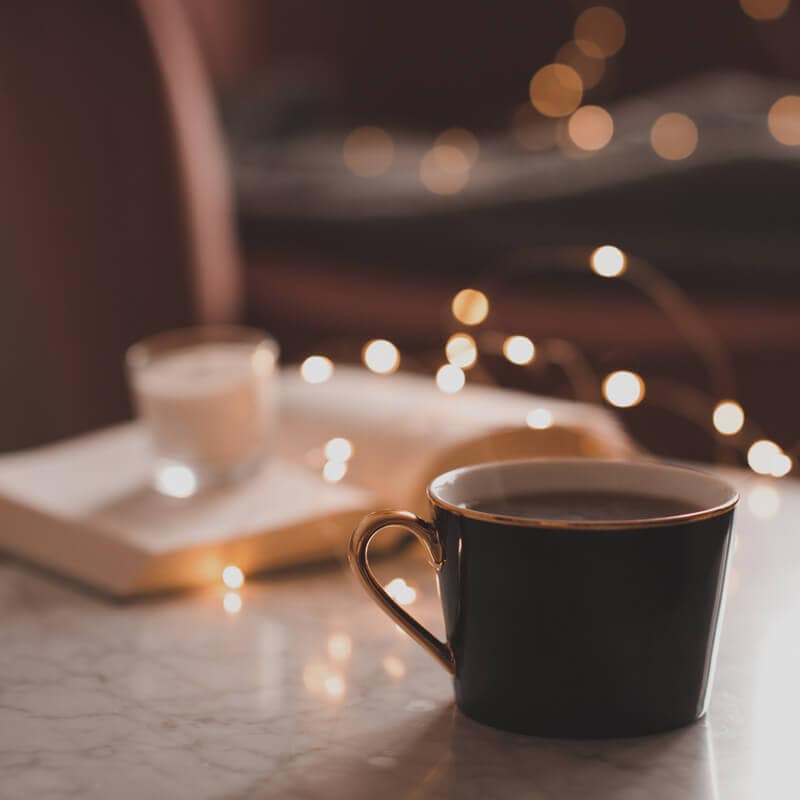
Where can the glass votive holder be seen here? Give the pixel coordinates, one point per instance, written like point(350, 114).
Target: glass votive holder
point(209, 398)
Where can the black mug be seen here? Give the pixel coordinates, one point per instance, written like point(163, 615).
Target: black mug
point(571, 628)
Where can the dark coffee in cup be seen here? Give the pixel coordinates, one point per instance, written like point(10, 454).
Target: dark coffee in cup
point(581, 598)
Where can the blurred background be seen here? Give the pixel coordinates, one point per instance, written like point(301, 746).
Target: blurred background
point(616, 187)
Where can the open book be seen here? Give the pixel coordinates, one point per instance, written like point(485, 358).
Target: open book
point(84, 507)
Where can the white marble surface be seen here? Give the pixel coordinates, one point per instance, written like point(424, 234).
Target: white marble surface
point(178, 698)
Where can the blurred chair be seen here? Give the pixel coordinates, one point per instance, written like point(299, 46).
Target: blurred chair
point(115, 207)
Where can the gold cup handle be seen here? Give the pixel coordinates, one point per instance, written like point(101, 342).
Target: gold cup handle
point(357, 556)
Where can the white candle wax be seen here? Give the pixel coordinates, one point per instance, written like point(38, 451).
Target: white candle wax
point(210, 406)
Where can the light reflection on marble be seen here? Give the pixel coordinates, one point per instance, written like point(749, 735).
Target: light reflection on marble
point(308, 691)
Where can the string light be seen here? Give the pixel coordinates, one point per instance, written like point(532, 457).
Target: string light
point(461, 350)
point(394, 667)
point(444, 169)
point(462, 140)
point(340, 647)
point(233, 577)
point(586, 59)
point(762, 455)
point(334, 471)
point(368, 152)
point(381, 356)
point(556, 90)
point(728, 417)
point(590, 128)
point(338, 449)
point(232, 603)
point(450, 379)
point(764, 10)
point(400, 592)
point(470, 306)
point(316, 369)
point(600, 28)
point(783, 120)
point(608, 261)
point(781, 465)
point(519, 350)
point(623, 389)
point(539, 418)
point(674, 136)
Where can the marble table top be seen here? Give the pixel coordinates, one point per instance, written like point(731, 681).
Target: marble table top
point(308, 691)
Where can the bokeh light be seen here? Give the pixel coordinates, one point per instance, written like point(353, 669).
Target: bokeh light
point(450, 379)
point(232, 602)
point(334, 471)
point(781, 465)
point(590, 128)
point(316, 369)
point(461, 350)
point(674, 136)
point(623, 389)
point(368, 152)
point(539, 418)
point(783, 120)
point(763, 501)
point(764, 10)
point(531, 130)
point(381, 356)
point(608, 261)
point(470, 306)
point(762, 456)
point(462, 140)
point(586, 59)
point(394, 667)
point(519, 350)
point(728, 417)
point(600, 28)
point(175, 480)
point(233, 577)
point(444, 169)
point(340, 646)
point(400, 592)
point(556, 90)
point(334, 686)
point(338, 449)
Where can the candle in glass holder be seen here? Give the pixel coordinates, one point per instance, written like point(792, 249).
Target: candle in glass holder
point(208, 396)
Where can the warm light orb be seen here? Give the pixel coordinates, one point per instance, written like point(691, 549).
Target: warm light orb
point(381, 356)
point(334, 471)
point(340, 647)
point(590, 128)
point(608, 261)
point(450, 379)
point(623, 389)
point(316, 369)
point(394, 667)
point(444, 169)
point(600, 28)
point(470, 306)
point(232, 603)
point(519, 350)
point(728, 417)
point(531, 130)
point(586, 59)
point(368, 152)
point(461, 350)
point(556, 90)
point(400, 592)
point(338, 449)
point(334, 686)
point(462, 140)
point(764, 10)
point(781, 465)
point(762, 456)
point(783, 120)
point(175, 480)
point(764, 501)
point(233, 577)
point(539, 418)
point(674, 136)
